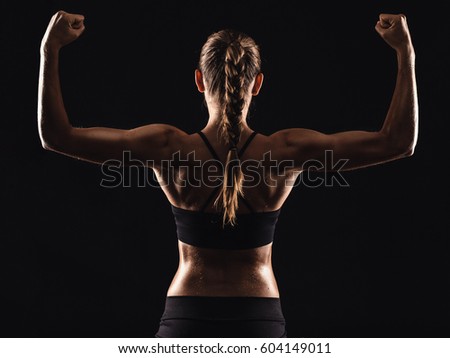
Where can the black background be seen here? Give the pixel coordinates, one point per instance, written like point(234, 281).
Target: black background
point(79, 260)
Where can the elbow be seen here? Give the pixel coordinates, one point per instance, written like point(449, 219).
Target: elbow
point(410, 145)
point(405, 150)
point(401, 147)
point(53, 140)
point(47, 142)
point(45, 135)
point(52, 145)
point(409, 150)
point(46, 145)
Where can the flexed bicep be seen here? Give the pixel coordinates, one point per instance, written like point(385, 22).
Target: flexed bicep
point(397, 137)
point(309, 149)
point(97, 144)
point(148, 144)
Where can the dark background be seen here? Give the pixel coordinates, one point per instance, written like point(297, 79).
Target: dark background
point(79, 260)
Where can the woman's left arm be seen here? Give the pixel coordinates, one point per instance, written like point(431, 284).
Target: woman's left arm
point(94, 144)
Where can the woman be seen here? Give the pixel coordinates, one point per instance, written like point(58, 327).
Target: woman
point(226, 184)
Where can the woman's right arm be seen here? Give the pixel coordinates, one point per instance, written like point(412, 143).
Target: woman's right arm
point(396, 138)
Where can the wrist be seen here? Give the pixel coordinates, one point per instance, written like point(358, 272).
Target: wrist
point(48, 48)
point(406, 56)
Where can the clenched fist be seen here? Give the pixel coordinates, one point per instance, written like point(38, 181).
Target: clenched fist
point(62, 29)
point(394, 30)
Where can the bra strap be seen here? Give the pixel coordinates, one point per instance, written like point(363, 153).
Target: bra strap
point(246, 144)
point(208, 144)
point(210, 197)
point(215, 156)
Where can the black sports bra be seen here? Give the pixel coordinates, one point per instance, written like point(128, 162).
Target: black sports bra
point(204, 229)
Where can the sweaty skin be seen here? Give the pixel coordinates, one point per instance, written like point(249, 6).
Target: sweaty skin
point(210, 272)
point(213, 272)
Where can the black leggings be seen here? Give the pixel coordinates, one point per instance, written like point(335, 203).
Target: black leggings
point(220, 317)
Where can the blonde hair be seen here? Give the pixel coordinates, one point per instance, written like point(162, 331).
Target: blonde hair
point(229, 62)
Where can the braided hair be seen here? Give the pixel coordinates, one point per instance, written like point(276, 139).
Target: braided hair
point(229, 62)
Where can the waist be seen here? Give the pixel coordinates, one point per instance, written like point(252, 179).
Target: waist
point(223, 308)
point(203, 279)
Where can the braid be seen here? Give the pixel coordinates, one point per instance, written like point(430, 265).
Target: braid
point(230, 130)
point(230, 61)
point(234, 95)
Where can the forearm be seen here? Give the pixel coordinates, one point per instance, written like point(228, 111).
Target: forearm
point(401, 123)
point(53, 122)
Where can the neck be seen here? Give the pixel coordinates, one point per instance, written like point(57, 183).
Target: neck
point(215, 118)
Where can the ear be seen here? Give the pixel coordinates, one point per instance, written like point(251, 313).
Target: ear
point(258, 83)
point(199, 81)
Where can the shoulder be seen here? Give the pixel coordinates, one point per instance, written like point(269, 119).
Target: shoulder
point(158, 129)
point(156, 141)
point(296, 144)
point(294, 137)
point(160, 134)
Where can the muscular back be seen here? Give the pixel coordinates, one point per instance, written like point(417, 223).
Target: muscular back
point(193, 173)
point(189, 182)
